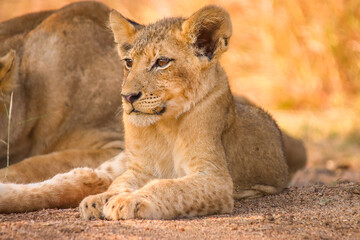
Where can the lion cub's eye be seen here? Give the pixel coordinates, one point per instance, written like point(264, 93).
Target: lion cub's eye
point(128, 63)
point(162, 62)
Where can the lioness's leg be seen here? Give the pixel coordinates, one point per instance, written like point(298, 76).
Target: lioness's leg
point(63, 190)
point(43, 167)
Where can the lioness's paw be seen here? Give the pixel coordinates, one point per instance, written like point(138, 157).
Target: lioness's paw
point(91, 178)
point(92, 206)
point(129, 207)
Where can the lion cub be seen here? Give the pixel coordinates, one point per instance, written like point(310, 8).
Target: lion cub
point(188, 151)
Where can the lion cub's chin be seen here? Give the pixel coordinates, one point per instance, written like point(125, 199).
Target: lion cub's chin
point(142, 120)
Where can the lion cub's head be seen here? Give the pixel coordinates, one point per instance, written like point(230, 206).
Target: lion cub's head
point(169, 65)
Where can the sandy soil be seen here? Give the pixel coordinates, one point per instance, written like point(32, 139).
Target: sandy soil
point(311, 212)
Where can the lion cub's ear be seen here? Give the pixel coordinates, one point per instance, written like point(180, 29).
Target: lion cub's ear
point(124, 31)
point(7, 67)
point(209, 30)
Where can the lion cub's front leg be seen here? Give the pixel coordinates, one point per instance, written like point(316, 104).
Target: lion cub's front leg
point(92, 206)
point(193, 195)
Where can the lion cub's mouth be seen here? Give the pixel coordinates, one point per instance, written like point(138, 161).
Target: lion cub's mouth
point(156, 111)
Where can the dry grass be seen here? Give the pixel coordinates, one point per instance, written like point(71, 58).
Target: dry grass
point(300, 55)
point(7, 142)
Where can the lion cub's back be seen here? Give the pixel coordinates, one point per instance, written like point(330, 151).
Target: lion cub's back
point(255, 153)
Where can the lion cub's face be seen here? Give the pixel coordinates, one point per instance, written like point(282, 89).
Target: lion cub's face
point(167, 63)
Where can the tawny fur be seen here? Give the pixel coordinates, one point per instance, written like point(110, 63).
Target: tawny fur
point(62, 70)
point(192, 159)
point(189, 152)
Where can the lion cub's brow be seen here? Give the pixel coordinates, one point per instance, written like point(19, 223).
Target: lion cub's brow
point(157, 32)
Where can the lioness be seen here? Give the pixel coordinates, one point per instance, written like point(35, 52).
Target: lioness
point(62, 69)
point(190, 149)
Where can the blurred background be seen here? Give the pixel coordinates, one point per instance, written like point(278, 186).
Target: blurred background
point(299, 60)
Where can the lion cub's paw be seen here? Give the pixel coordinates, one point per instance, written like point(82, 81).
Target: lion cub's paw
point(92, 206)
point(129, 207)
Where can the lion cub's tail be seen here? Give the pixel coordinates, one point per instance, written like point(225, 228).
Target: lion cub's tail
point(295, 153)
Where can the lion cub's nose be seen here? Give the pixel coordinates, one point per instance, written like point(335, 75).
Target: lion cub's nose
point(132, 97)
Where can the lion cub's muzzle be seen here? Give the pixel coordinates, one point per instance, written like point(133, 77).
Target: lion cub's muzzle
point(140, 103)
point(132, 97)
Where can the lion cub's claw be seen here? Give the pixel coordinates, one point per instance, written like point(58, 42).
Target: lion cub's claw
point(130, 207)
point(92, 206)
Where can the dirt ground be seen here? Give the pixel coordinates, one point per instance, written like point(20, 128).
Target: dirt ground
point(315, 211)
point(323, 202)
